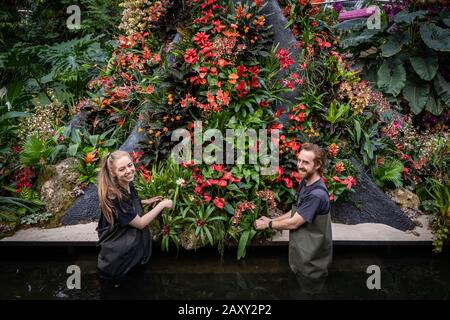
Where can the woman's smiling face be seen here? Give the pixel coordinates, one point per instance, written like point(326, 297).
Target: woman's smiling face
point(124, 170)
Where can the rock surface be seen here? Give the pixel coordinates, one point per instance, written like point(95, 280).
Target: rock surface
point(368, 204)
point(56, 190)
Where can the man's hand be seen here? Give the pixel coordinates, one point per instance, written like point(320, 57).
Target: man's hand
point(151, 200)
point(262, 223)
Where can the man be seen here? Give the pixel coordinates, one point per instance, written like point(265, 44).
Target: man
point(310, 240)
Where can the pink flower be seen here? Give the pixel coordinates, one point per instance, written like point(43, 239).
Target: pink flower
point(287, 182)
point(219, 202)
point(191, 56)
point(135, 156)
point(201, 39)
point(349, 181)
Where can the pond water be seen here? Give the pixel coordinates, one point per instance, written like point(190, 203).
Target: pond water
point(406, 273)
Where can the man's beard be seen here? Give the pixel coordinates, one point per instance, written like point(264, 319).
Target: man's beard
point(305, 175)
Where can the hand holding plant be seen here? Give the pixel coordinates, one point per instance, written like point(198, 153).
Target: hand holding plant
point(166, 203)
point(151, 201)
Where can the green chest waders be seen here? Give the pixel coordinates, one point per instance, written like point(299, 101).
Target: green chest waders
point(311, 247)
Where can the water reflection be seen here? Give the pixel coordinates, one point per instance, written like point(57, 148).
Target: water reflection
point(264, 274)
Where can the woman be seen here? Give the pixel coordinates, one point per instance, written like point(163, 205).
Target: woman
point(124, 237)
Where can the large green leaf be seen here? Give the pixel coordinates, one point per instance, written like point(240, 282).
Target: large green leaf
point(442, 88)
point(13, 114)
point(435, 37)
point(416, 93)
point(392, 46)
point(391, 79)
point(363, 37)
point(351, 24)
point(425, 66)
point(434, 106)
point(409, 17)
point(243, 244)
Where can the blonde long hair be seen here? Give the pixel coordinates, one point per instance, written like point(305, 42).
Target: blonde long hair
point(108, 187)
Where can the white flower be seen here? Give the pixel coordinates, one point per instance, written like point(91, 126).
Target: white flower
point(181, 182)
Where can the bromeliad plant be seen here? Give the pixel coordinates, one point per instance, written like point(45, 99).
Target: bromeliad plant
point(206, 223)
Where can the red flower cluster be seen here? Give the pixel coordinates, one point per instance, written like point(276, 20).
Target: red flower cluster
point(348, 182)
point(136, 155)
point(23, 178)
point(283, 58)
point(333, 149)
point(221, 183)
point(146, 174)
point(219, 202)
point(190, 56)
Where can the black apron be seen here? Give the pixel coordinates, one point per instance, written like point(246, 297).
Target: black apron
point(311, 246)
point(123, 247)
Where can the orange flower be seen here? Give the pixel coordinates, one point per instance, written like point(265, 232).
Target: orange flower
point(232, 78)
point(222, 63)
point(149, 89)
point(89, 157)
point(259, 21)
point(339, 167)
point(333, 149)
point(223, 97)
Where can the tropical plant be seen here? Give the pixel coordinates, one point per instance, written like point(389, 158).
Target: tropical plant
point(74, 62)
point(27, 202)
point(171, 228)
point(405, 57)
point(204, 222)
point(390, 172)
point(36, 152)
point(435, 196)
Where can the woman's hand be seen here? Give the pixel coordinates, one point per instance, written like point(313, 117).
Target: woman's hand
point(151, 200)
point(166, 203)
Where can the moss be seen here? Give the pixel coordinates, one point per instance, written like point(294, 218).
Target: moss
point(189, 240)
point(46, 173)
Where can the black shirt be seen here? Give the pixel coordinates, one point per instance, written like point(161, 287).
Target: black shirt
point(124, 210)
point(312, 200)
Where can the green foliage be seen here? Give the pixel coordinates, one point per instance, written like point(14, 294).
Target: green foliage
point(204, 222)
point(171, 231)
point(36, 218)
point(164, 180)
point(24, 203)
point(367, 140)
point(35, 152)
point(390, 172)
point(8, 126)
point(410, 60)
point(435, 197)
point(74, 62)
